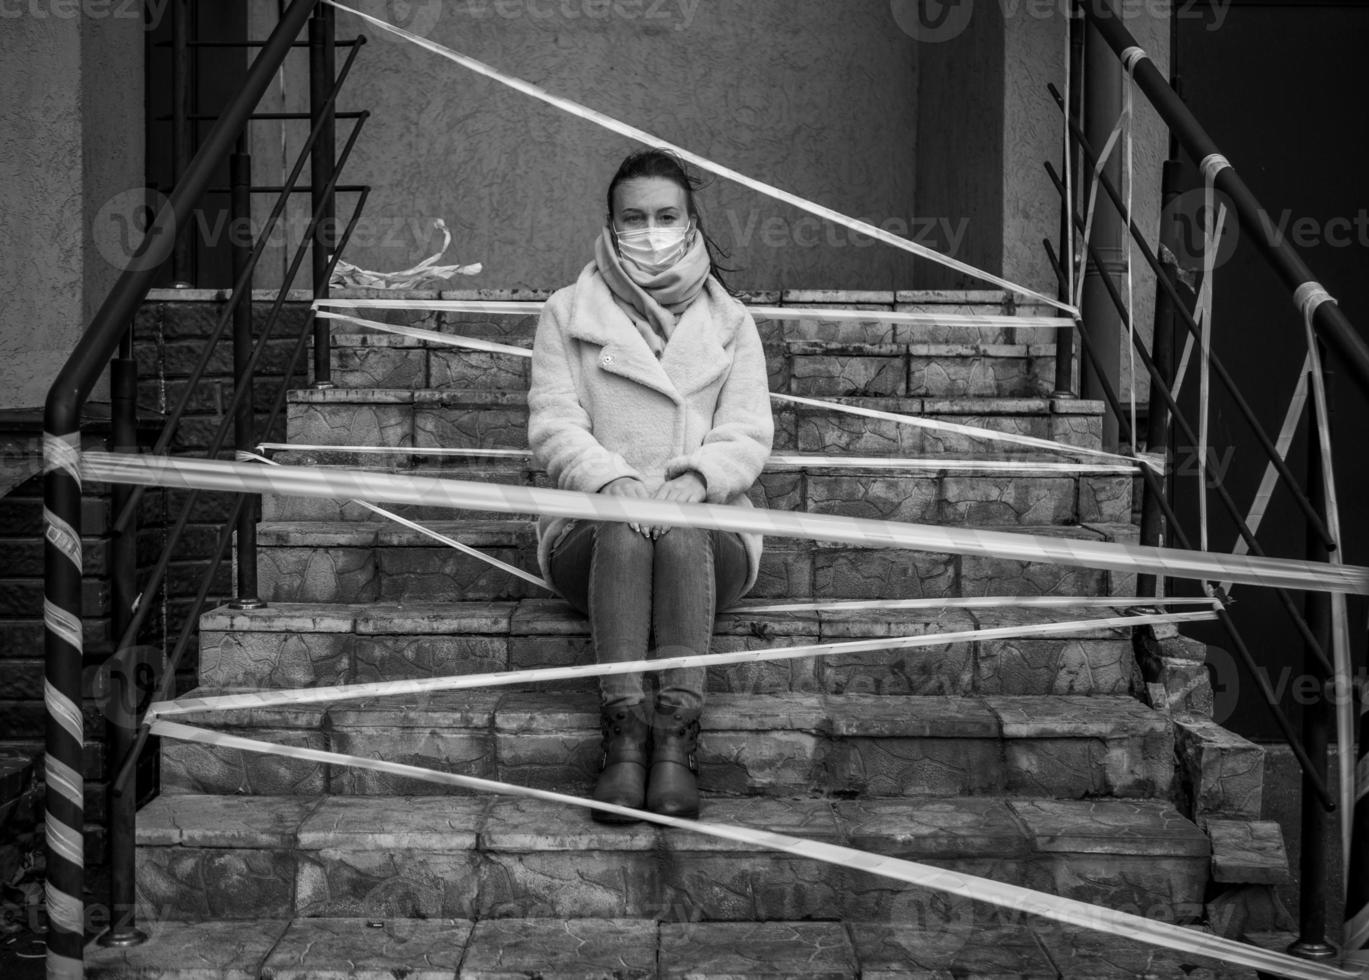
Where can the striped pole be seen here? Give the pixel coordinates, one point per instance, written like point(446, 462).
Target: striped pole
point(1357, 873)
point(62, 695)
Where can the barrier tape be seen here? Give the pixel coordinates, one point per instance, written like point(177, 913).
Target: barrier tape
point(422, 529)
point(759, 311)
point(395, 450)
point(1309, 296)
point(813, 460)
point(1057, 908)
point(452, 340)
point(939, 425)
point(642, 136)
point(866, 532)
point(978, 602)
point(418, 333)
point(1270, 479)
point(468, 682)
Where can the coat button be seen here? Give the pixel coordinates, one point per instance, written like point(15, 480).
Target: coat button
point(606, 360)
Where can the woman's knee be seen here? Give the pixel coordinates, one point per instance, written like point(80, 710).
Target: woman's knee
point(685, 544)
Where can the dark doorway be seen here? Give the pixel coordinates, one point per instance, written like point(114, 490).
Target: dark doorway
point(1280, 87)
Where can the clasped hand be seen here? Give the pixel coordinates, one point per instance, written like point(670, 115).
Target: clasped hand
point(687, 488)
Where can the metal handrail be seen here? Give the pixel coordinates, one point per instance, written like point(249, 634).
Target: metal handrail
point(1330, 329)
point(1328, 321)
point(106, 336)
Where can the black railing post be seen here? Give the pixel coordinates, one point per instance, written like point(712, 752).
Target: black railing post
point(120, 696)
point(182, 134)
point(322, 162)
point(240, 179)
point(1162, 352)
point(1312, 943)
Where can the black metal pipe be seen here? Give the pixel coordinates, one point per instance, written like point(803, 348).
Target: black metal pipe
point(1223, 495)
point(173, 418)
point(121, 694)
point(63, 643)
point(1223, 617)
point(240, 168)
point(221, 432)
point(322, 166)
point(1329, 322)
point(1157, 412)
point(182, 133)
point(1167, 284)
point(86, 363)
point(1312, 943)
point(126, 769)
point(129, 763)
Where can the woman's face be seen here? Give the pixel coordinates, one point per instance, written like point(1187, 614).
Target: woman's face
point(649, 202)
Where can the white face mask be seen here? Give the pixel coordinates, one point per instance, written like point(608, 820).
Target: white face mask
point(654, 249)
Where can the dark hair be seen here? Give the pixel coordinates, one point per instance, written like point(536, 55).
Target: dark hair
point(657, 162)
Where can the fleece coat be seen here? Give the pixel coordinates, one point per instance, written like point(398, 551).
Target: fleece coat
point(602, 406)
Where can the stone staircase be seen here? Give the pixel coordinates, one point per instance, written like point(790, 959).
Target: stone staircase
point(1045, 762)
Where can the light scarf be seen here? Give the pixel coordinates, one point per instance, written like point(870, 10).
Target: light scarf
point(653, 301)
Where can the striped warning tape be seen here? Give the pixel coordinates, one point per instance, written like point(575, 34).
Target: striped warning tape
point(864, 532)
point(467, 682)
point(1024, 900)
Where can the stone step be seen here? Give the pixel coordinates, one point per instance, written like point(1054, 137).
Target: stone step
point(489, 857)
point(291, 645)
point(956, 493)
point(974, 943)
point(499, 420)
point(1066, 746)
point(366, 561)
point(816, 367)
point(953, 311)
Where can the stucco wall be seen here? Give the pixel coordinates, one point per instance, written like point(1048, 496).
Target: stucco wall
point(71, 156)
point(1034, 54)
point(817, 97)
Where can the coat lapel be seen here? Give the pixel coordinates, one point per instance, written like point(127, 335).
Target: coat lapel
point(694, 357)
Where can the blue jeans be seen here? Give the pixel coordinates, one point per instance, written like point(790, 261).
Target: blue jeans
point(631, 587)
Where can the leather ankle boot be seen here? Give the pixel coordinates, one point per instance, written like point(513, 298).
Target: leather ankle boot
point(672, 788)
point(622, 775)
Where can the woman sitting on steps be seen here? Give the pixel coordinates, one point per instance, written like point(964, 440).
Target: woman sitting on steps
point(649, 381)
